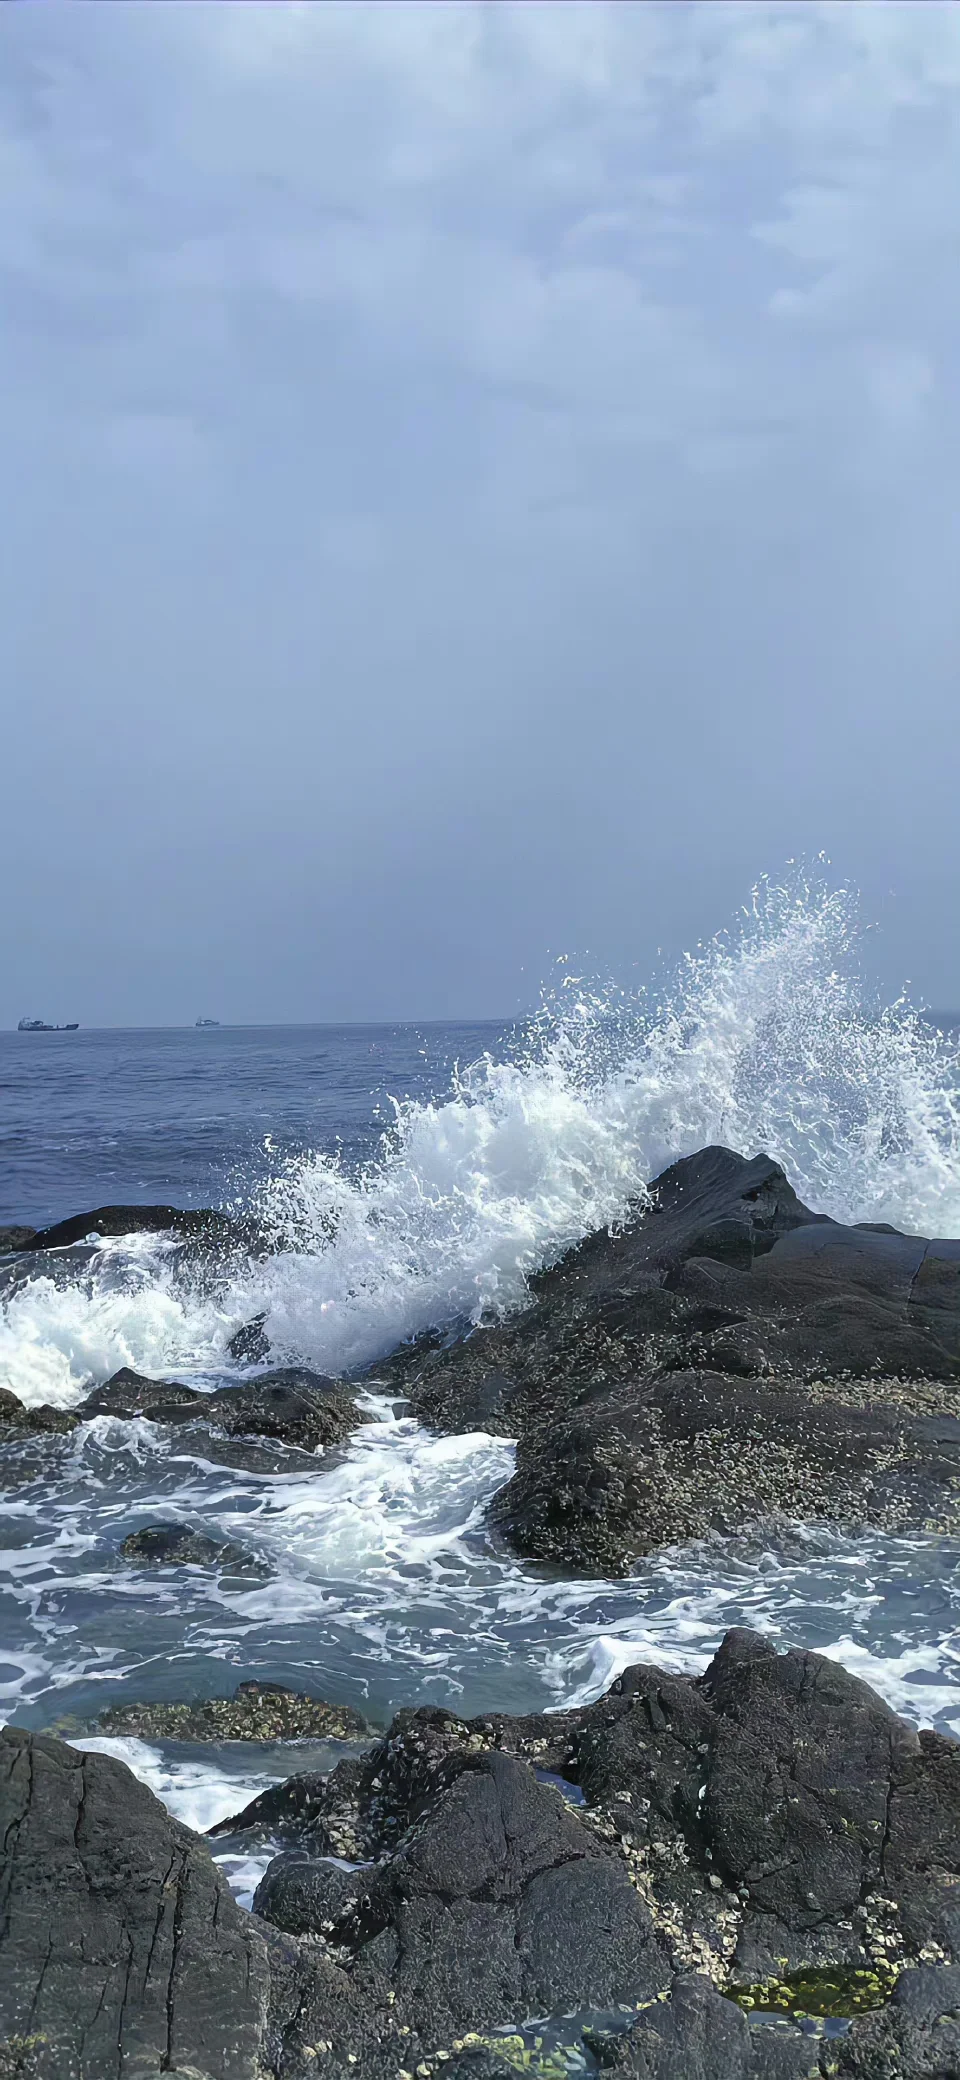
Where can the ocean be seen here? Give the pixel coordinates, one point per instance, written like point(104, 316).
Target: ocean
point(416, 1175)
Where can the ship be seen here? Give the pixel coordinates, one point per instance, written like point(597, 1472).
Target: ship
point(208, 1021)
point(37, 1025)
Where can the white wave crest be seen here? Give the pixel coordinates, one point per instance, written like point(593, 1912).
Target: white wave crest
point(765, 1040)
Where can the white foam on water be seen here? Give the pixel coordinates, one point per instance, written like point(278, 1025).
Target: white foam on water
point(382, 1579)
point(401, 1498)
point(766, 1040)
point(383, 1582)
point(194, 1790)
point(921, 1683)
point(198, 1792)
point(58, 1340)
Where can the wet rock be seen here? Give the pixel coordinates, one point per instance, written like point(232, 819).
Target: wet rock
point(293, 1405)
point(481, 2064)
point(730, 1355)
point(787, 1832)
point(299, 1808)
point(916, 2038)
point(771, 1818)
point(129, 1393)
point(676, 1455)
point(496, 1902)
point(697, 2035)
point(120, 1942)
point(176, 1545)
point(250, 1345)
point(15, 1238)
point(255, 1712)
point(17, 1420)
point(307, 1895)
point(198, 1223)
point(806, 1837)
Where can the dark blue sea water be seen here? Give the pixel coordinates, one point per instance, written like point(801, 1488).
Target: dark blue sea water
point(184, 1115)
point(417, 1175)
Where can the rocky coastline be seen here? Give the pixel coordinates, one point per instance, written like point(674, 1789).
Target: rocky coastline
point(675, 1875)
point(729, 1356)
point(669, 1878)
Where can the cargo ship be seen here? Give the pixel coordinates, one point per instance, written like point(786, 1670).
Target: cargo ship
point(36, 1025)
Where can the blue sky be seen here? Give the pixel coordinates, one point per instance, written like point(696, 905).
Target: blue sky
point(482, 481)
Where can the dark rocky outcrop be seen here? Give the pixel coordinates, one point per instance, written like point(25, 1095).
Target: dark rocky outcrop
point(121, 1949)
point(916, 2038)
point(496, 1902)
point(729, 1355)
point(698, 2035)
point(292, 1406)
point(778, 1820)
point(255, 1712)
point(201, 1223)
point(17, 1420)
point(676, 1455)
point(129, 1393)
point(765, 1838)
point(15, 1238)
point(176, 1545)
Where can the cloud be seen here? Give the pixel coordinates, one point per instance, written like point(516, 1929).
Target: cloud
point(408, 383)
point(594, 202)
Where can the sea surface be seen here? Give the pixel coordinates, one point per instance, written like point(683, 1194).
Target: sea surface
point(416, 1175)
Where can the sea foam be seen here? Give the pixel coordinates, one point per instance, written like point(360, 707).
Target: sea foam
point(765, 1039)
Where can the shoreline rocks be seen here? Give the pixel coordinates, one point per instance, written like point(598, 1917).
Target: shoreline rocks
point(768, 1830)
point(16, 1420)
point(178, 1545)
point(121, 1948)
point(16, 1238)
point(291, 1406)
point(255, 1712)
point(727, 1356)
point(203, 1223)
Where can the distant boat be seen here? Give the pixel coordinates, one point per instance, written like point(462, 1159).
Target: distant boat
point(208, 1021)
point(36, 1025)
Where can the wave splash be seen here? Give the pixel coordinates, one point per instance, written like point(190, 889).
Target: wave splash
point(765, 1039)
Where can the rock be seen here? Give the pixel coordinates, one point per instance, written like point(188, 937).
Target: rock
point(783, 1827)
point(729, 1356)
point(15, 1238)
point(497, 1902)
point(766, 1837)
point(307, 1895)
point(916, 2038)
point(807, 1837)
point(197, 1223)
point(293, 1406)
point(18, 1420)
point(698, 2035)
point(175, 1545)
point(482, 2064)
point(255, 1712)
point(129, 1393)
point(250, 1345)
point(297, 1808)
point(120, 1943)
point(676, 1455)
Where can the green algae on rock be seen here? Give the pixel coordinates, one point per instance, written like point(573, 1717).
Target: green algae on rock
point(839, 1992)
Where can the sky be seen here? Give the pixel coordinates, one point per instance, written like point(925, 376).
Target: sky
point(481, 482)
